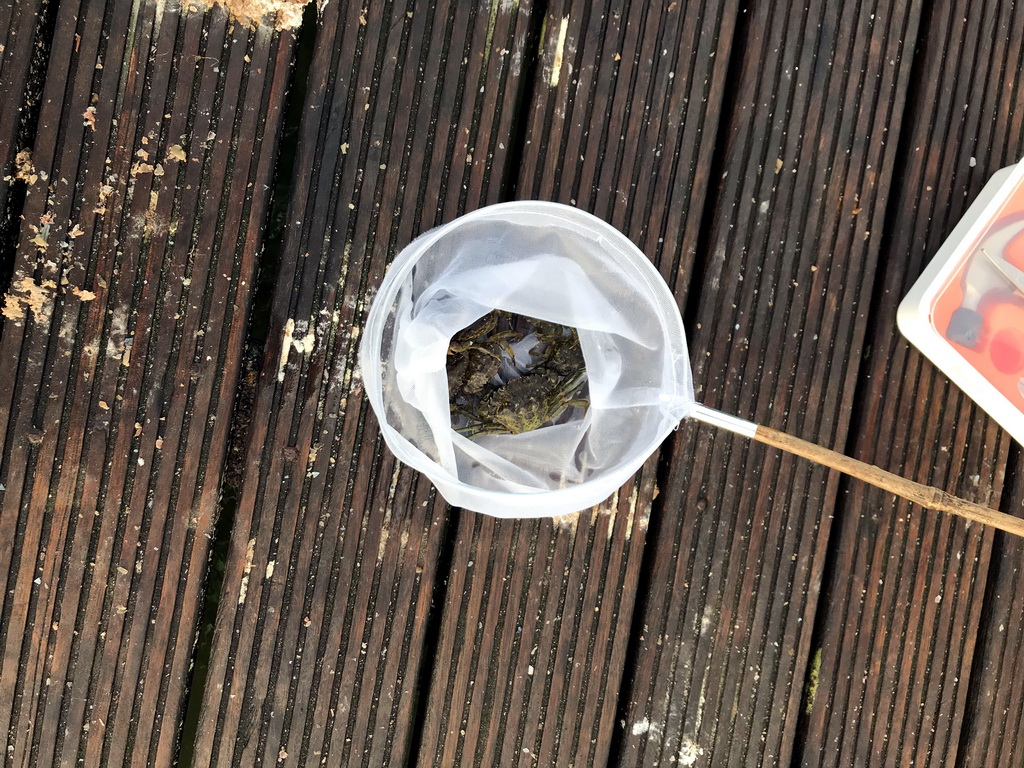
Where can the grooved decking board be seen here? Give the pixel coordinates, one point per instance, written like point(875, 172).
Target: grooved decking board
point(537, 617)
point(739, 531)
point(24, 31)
point(528, 674)
point(905, 599)
point(994, 720)
point(119, 352)
point(333, 557)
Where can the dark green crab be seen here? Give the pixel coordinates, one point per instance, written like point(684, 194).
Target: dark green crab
point(557, 349)
point(475, 355)
point(526, 403)
point(542, 390)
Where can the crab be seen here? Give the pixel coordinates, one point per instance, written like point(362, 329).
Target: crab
point(526, 403)
point(475, 355)
point(557, 349)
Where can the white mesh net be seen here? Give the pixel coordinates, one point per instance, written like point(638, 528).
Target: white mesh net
point(545, 261)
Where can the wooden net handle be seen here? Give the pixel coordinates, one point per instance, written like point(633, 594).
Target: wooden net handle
point(925, 495)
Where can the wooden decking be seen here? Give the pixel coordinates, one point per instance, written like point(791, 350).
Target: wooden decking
point(207, 554)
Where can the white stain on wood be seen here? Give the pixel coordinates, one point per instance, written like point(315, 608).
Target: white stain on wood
point(556, 66)
point(250, 551)
point(302, 344)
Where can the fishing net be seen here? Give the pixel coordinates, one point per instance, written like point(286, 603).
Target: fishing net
point(559, 267)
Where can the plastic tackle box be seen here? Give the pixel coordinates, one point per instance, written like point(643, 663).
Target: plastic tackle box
point(966, 312)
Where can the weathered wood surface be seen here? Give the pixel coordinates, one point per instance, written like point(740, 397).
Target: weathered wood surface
point(533, 646)
point(122, 331)
point(993, 731)
point(788, 165)
point(781, 312)
point(336, 548)
point(24, 45)
point(905, 599)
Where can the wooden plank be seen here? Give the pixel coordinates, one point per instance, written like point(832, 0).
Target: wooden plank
point(994, 718)
point(740, 532)
point(529, 673)
point(535, 629)
point(25, 30)
point(334, 549)
point(893, 691)
point(121, 344)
